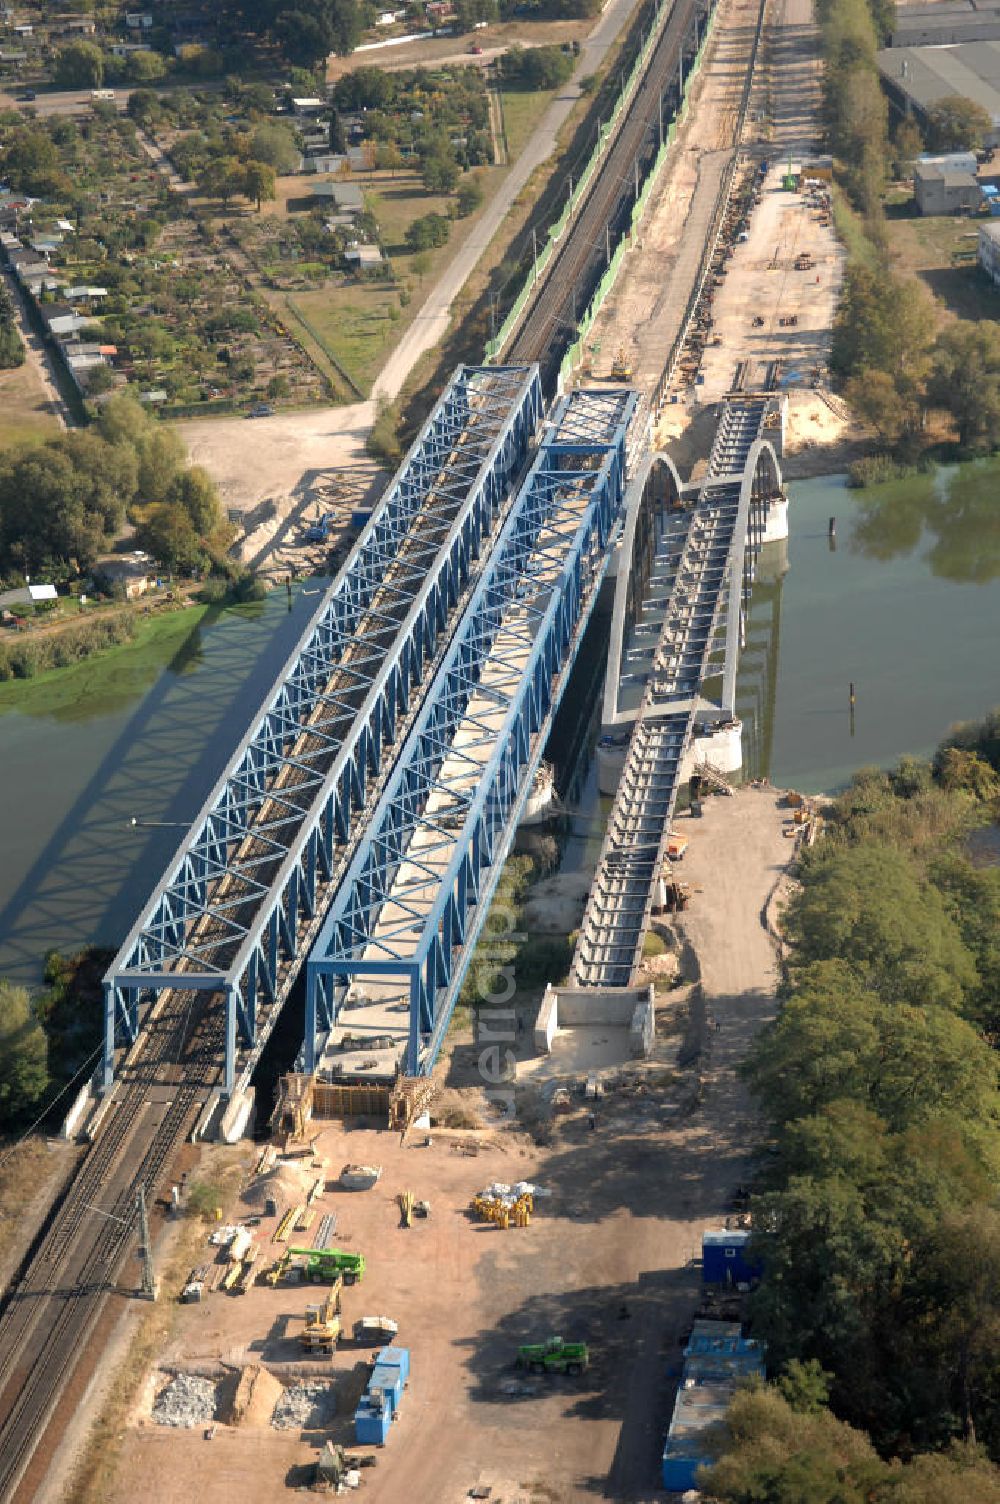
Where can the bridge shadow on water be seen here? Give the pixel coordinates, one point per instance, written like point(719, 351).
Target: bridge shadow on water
point(91, 877)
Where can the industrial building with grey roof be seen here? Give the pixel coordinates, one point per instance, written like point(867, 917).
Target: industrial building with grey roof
point(916, 78)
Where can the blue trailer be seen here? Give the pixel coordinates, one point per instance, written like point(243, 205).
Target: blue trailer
point(724, 1259)
point(372, 1420)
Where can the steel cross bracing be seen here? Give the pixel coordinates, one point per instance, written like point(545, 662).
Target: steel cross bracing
point(407, 915)
point(249, 882)
point(716, 567)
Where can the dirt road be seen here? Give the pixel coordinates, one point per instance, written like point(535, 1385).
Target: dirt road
point(607, 1257)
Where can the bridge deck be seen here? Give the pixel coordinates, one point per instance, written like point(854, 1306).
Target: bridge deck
point(404, 922)
point(246, 889)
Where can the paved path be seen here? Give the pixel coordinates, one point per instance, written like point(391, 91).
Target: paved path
point(432, 321)
point(37, 354)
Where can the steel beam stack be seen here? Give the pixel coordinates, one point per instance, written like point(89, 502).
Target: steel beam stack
point(247, 888)
point(406, 917)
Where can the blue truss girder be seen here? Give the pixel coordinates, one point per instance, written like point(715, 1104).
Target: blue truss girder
point(524, 622)
point(243, 892)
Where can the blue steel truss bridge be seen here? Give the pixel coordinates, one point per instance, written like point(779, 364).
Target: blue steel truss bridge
point(245, 893)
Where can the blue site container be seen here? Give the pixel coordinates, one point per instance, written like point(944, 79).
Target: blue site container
point(387, 1381)
point(724, 1257)
point(372, 1420)
point(395, 1357)
point(361, 516)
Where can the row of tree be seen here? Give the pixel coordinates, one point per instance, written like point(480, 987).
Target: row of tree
point(876, 1218)
point(11, 344)
point(62, 502)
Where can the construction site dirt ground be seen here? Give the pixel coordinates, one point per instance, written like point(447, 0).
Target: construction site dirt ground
point(608, 1257)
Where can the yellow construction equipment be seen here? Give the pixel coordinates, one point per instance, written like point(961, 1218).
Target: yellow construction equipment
point(405, 1200)
point(504, 1211)
point(322, 1329)
point(621, 366)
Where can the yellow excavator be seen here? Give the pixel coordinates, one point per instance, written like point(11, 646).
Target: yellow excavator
point(621, 366)
point(321, 1332)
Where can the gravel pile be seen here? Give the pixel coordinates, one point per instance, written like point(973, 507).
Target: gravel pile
point(305, 1407)
point(186, 1401)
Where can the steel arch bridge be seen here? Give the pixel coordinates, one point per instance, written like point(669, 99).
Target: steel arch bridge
point(711, 580)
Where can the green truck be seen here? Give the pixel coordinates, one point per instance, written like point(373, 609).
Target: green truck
point(554, 1356)
point(327, 1263)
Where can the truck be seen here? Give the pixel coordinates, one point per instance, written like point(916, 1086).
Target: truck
point(554, 1356)
point(327, 1263)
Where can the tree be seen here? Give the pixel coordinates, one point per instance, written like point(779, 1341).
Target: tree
point(24, 1075)
point(388, 157)
point(958, 124)
point(168, 534)
point(145, 67)
point(772, 1453)
point(535, 68)
point(868, 907)
point(305, 39)
point(965, 379)
point(428, 231)
point(258, 181)
point(80, 65)
point(275, 145)
point(194, 491)
point(878, 401)
point(908, 145)
point(31, 162)
point(470, 198)
point(440, 172)
point(144, 106)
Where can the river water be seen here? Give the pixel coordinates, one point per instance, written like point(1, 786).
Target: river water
point(907, 607)
point(143, 732)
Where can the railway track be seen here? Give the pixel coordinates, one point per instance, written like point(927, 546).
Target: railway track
point(171, 1071)
point(548, 327)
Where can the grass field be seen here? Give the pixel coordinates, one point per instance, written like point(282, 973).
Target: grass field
point(357, 324)
point(25, 417)
point(940, 251)
point(522, 111)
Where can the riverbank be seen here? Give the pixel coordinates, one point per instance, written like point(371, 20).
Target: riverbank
point(111, 675)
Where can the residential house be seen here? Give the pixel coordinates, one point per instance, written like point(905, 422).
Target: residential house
point(347, 198)
point(364, 256)
point(324, 162)
point(138, 20)
point(307, 107)
point(132, 575)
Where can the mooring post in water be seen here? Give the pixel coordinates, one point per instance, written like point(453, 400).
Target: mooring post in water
point(833, 527)
point(852, 699)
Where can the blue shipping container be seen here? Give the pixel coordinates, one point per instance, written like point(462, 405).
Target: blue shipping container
point(724, 1258)
point(387, 1381)
point(371, 1422)
point(395, 1357)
